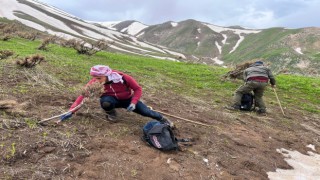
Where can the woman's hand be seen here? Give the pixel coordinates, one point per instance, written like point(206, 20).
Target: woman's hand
point(131, 107)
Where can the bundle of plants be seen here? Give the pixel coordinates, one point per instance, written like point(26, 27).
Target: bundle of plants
point(30, 62)
point(5, 54)
point(95, 89)
point(237, 73)
point(89, 92)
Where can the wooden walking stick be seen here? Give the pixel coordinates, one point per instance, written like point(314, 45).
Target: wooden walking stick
point(77, 107)
point(184, 119)
point(95, 89)
point(274, 90)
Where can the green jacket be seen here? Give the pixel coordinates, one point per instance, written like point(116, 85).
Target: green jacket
point(258, 70)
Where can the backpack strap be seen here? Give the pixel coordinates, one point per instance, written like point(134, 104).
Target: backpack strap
point(184, 140)
point(253, 103)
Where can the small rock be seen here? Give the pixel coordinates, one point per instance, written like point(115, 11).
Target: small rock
point(47, 149)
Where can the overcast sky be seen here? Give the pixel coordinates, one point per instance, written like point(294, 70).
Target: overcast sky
point(246, 13)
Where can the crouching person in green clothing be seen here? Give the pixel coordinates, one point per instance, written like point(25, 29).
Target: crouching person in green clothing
point(256, 79)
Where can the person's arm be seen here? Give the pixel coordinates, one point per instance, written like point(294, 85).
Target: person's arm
point(137, 90)
point(272, 79)
point(79, 99)
point(76, 103)
point(245, 75)
point(75, 106)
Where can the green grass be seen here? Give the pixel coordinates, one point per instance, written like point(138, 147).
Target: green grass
point(186, 79)
point(302, 91)
point(260, 45)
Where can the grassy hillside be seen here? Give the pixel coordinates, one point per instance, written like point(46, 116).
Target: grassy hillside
point(89, 147)
point(200, 81)
point(294, 51)
point(259, 45)
point(277, 46)
point(186, 38)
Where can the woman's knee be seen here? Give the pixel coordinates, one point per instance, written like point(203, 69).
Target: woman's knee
point(107, 103)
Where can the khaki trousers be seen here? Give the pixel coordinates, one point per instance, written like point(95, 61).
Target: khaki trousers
point(257, 88)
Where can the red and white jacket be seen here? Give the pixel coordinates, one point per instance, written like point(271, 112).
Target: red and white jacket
point(129, 88)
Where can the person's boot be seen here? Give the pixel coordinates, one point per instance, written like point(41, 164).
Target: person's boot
point(112, 116)
point(262, 112)
point(233, 107)
point(167, 121)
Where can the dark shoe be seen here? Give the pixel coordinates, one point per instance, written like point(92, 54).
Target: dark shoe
point(112, 115)
point(167, 121)
point(233, 107)
point(262, 112)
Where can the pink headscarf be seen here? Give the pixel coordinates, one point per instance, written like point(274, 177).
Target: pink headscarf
point(101, 70)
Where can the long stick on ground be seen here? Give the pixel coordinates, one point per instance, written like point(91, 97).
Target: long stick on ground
point(77, 107)
point(184, 119)
point(278, 101)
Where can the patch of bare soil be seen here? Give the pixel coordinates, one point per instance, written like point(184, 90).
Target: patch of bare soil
point(239, 145)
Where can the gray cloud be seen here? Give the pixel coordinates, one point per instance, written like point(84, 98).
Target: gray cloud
point(246, 13)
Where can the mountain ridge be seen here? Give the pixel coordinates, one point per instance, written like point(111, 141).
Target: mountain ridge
point(286, 50)
point(49, 19)
point(289, 50)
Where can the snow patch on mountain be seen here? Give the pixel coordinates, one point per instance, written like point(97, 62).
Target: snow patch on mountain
point(166, 58)
point(239, 32)
point(68, 26)
point(174, 24)
point(220, 29)
point(225, 37)
point(10, 7)
point(176, 54)
point(51, 8)
point(218, 46)
point(108, 25)
point(237, 44)
point(134, 28)
point(217, 61)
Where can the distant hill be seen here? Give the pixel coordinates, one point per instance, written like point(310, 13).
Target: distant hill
point(49, 19)
point(286, 50)
point(289, 50)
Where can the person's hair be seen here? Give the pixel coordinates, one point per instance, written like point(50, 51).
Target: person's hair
point(258, 62)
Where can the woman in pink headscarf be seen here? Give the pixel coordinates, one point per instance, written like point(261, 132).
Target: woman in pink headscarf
point(120, 91)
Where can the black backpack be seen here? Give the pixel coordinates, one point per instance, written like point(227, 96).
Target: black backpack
point(160, 136)
point(247, 102)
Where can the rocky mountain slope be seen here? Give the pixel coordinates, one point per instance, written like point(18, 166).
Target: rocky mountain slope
point(49, 19)
point(286, 50)
point(290, 50)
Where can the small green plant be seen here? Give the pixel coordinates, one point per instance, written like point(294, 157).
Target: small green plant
point(22, 89)
point(134, 172)
point(32, 124)
point(44, 135)
point(13, 149)
point(68, 134)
